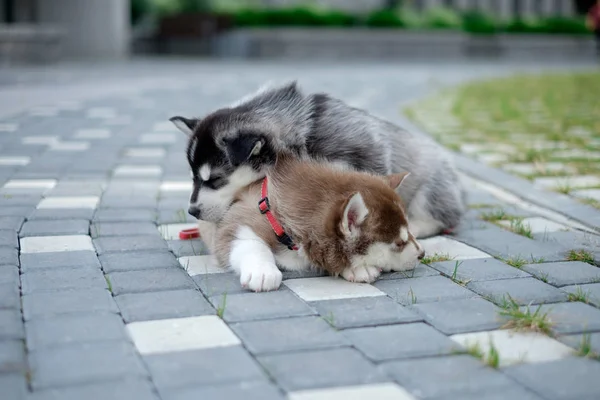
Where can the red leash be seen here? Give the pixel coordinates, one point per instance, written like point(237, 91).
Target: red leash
point(265, 208)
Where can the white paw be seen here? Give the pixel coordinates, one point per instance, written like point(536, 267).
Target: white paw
point(261, 278)
point(361, 274)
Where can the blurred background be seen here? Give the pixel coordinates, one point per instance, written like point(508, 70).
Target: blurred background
point(46, 31)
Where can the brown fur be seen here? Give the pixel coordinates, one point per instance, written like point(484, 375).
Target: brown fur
point(308, 199)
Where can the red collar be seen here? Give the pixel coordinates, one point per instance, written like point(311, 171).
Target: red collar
point(265, 208)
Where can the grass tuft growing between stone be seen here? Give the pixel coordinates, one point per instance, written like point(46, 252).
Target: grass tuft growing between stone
point(580, 295)
point(518, 261)
point(585, 348)
point(524, 319)
point(222, 307)
point(491, 358)
point(580, 255)
point(436, 257)
point(108, 283)
point(521, 228)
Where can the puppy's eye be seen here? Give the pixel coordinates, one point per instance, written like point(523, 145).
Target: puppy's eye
point(399, 244)
point(214, 183)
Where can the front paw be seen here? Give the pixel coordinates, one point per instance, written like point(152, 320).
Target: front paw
point(361, 274)
point(262, 278)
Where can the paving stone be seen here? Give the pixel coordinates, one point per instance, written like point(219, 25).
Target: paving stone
point(169, 216)
point(259, 306)
point(203, 367)
point(486, 269)
point(217, 284)
point(423, 290)
point(38, 184)
point(581, 181)
point(452, 248)
point(572, 317)
point(49, 280)
point(14, 386)
point(71, 301)
point(515, 347)
point(72, 329)
point(124, 215)
point(9, 256)
point(321, 368)
point(586, 194)
point(171, 231)
point(9, 296)
point(11, 223)
point(158, 138)
point(59, 202)
point(378, 391)
point(165, 304)
point(62, 214)
point(573, 241)
point(84, 363)
point(493, 393)
point(133, 261)
point(130, 388)
point(541, 225)
point(15, 211)
point(198, 265)
point(575, 341)
point(67, 259)
point(364, 311)
point(523, 290)
point(149, 152)
point(330, 288)
point(241, 390)
point(438, 376)
point(187, 248)
point(44, 244)
point(591, 291)
point(571, 378)
point(131, 243)
point(420, 271)
point(12, 356)
point(457, 316)
point(9, 274)
point(564, 273)
point(122, 229)
point(149, 280)
point(11, 324)
point(137, 171)
point(58, 228)
point(8, 238)
point(400, 341)
point(289, 334)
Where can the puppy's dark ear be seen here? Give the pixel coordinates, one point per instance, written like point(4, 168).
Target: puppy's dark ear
point(243, 147)
point(185, 125)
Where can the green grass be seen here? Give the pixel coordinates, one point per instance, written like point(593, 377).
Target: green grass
point(495, 215)
point(519, 261)
point(108, 283)
point(580, 255)
point(591, 202)
point(222, 307)
point(412, 296)
point(478, 206)
point(491, 358)
point(585, 348)
point(524, 319)
point(521, 228)
point(436, 257)
point(579, 295)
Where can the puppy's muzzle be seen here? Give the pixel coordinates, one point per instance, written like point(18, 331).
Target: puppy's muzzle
point(194, 212)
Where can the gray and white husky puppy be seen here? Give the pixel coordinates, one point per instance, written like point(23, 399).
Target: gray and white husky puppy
point(231, 148)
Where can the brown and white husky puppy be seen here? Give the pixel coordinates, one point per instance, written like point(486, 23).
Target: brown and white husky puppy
point(348, 223)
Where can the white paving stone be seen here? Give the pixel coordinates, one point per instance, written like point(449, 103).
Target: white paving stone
point(587, 194)
point(41, 184)
point(378, 391)
point(58, 202)
point(200, 265)
point(69, 105)
point(101, 113)
point(452, 248)
point(8, 127)
point(580, 181)
point(44, 111)
point(176, 186)
point(330, 288)
point(43, 244)
point(141, 152)
point(14, 160)
point(69, 146)
point(158, 138)
point(119, 120)
point(164, 126)
point(171, 231)
point(516, 347)
point(181, 334)
point(138, 170)
point(540, 225)
point(92, 134)
point(577, 153)
point(36, 140)
point(543, 168)
point(492, 158)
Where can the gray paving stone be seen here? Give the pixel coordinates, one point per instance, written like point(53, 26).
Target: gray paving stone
point(128, 389)
point(565, 273)
point(130, 243)
point(364, 311)
point(494, 393)
point(420, 271)
point(592, 291)
point(217, 284)
point(423, 290)
point(69, 329)
point(569, 378)
point(439, 376)
point(203, 367)
point(48, 280)
point(259, 306)
point(167, 304)
point(11, 324)
point(573, 241)
point(400, 341)
point(55, 228)
point(482, 269)
point(12, 356)
point(62, 214)
point(149, 280)
point(576, 341)
point(10, 296)
point(16, 211)
point(11, 223)
point(14, 386)
point(321, 368)
point(460, 316)
point(174, 217)
point(132, 261)
point(303, 274)
point(124, 215)
point(9, 256)
point(84, 363)
point(101, 229)
point(60, 259)
point(572, 317)
point(8, 238)
point(9, 274)
point(187, 248)
point(523, 290)
point(69, 301)
point(242, 390)
point(8, 200)
point(288, 334)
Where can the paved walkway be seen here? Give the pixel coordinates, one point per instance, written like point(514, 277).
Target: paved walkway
point(99, 300)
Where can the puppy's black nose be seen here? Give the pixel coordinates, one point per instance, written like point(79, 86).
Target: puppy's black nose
point(194, 212)
point(421, 255)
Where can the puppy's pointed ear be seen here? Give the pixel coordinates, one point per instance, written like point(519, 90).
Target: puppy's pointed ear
point(395, 180)
point(243, 147)
point(185, 125)
point(354, 213)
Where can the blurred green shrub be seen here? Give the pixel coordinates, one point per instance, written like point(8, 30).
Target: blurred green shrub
point(442, 18)
point(384, 19)
point(479, 23)
point(297, 16)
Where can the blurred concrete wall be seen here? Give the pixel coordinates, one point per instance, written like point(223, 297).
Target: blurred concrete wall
point(95, 28)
